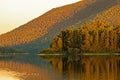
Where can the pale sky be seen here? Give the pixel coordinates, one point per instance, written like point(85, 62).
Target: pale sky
point(14, 13)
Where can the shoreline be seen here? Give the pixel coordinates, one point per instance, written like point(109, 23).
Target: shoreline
point(86, 54)
point(43, 54)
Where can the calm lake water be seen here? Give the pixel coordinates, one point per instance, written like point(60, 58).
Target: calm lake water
point(84, 67)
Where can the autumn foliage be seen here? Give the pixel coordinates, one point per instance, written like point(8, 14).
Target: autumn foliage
point(98, 36)
point(112, 14)
point(37, 34)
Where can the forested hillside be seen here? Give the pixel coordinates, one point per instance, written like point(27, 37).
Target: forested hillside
point(111, 15)
point(38, 33)
point(98, 36)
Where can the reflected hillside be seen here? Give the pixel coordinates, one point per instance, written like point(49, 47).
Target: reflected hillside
point(27, 71)
point(88, 67)
point(9, 75)
point(83, 67)
point(29, 67)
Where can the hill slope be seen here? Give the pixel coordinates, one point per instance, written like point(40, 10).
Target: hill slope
point(111, 15)
point(7, 50)
point(38, 33)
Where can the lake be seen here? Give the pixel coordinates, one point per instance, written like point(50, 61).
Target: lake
point(59, 67)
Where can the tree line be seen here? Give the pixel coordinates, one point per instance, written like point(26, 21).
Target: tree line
point(96, 36)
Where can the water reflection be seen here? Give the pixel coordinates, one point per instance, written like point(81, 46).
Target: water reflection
point(88, 67)
point(8, 75)
point(31, 67)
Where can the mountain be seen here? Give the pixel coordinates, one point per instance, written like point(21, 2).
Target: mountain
point(38, 33)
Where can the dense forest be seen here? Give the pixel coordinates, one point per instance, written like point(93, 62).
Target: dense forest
point(97, 36)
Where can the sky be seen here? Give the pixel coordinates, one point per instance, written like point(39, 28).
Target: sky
point(14, 13)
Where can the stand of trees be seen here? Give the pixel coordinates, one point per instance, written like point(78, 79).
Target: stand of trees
point(97, 36)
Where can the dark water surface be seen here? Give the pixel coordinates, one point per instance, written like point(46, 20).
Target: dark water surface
point(84, 67)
